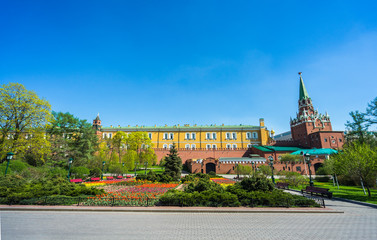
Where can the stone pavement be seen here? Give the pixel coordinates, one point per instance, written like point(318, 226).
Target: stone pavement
point(357, 222)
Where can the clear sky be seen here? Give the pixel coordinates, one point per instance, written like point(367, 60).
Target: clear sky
point(204, 62)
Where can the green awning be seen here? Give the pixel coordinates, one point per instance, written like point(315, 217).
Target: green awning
point(314, 151)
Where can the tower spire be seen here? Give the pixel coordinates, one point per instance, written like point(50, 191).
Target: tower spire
point(303, 93)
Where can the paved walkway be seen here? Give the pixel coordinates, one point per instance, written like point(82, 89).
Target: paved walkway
point(357, 222)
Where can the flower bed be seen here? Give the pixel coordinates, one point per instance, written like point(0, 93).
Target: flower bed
point(105, 182)
point(141, 193)
point(223, 181)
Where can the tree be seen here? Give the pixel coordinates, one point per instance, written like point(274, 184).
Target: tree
point(22, 112)
point(372, 111)
point(71, 137)
point(289, 158)
point(358, 128)
point(356, 160)
point(173, 164)
point(119, 142)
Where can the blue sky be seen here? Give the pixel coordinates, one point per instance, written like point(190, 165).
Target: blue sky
point(203, 62)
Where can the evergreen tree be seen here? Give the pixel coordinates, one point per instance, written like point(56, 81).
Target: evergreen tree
point(173, 164)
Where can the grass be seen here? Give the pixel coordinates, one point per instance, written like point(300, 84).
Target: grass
point(347, 192)
point(155, 169)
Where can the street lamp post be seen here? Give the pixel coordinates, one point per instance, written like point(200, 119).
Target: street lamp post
point(9, 157)
point(69, 167)
point(136, 167)
point(272, 168)
point(122, 169)
point(103, 165)
point(252, 167)
point(307, 160)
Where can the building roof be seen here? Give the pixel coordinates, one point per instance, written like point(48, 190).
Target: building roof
point(303, 93)
point(277, 149)
point(315, 151)
point(212, 126)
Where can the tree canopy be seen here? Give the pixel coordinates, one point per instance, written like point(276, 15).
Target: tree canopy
point(173, 164)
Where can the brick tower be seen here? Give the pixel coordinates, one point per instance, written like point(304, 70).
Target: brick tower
point(97, 125)
point(308, 120)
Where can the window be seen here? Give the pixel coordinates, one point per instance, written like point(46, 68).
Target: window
point(325, 139)
point(208, 146)
point(234, 146)
point(228, 136)
point(165, 146)
point(150, 135)
point(104, 135)
point(248, 135)
point(214, 135)
point(298, 169)
point(214, 146)
point(228, 146)
point(187, 135)
point(249, 145)
point(187, 146)
point(193, 146)
point(234, 135)
point(165, 136)
point(255, 135)
point(193, 135)
point(340, 140)
point(171, 135)
point(333, 141)
point(208, 136)
point(110, 135)
point(170, 146)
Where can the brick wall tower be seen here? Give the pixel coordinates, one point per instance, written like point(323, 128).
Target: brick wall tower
point(97, 125)
point(307, 120)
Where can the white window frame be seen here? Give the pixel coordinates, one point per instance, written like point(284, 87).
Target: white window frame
point(187, 136)
point(234, 146)
point(208, 135)
point(255, 135)
point(166, 135)
point(249, 145)
point(110, 135)
point(214, 146)
point(208, 147)
point(193, 146)
point(214, 135)
point(234, 136)
point(171, 135)
point(104, 135)
point(228, 136)
point(187, 146)
point(150, 135)
point(170, 146)
point(165, 146)
point(228, 146)
point(193, 136)
point(248, 135)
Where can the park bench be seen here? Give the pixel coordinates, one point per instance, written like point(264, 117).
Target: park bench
point(317, 191)
point(76, 180)
point(282, 185)
point(109, 178)
point(93, 179)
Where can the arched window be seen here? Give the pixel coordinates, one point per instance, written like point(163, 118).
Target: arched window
point(193, 146)
point(228, 136)
point(208, 146)
point(228, 146)
point(165, 146)
point(193, 135)
point(214, 135)
point(255, 135)
point(248, 135)
point(187, 146)
point(214, 146)
point(249, 145)
point(170, 146)
point(208, 136)
point(187, 135)
point(234, 146)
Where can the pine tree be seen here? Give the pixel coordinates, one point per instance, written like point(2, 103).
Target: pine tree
point(173, 164)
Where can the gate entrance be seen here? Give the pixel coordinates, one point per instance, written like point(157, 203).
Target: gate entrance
point(210, 167)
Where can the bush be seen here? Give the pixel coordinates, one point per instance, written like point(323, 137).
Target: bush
point(203, 185)
point(322, 179)
point(256, 183)
point(95, 172)
point(153, 177)
point(80, 172)
point(295, 179)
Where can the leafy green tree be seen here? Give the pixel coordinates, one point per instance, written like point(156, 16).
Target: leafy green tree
point(290, 159)
point(356, 160)
point(173, 164)
point(119, 142)
point(71, 137)
point(22, 113)
point(358, 128)
point(243, 170)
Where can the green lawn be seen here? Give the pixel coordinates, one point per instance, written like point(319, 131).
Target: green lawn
point(347, 192)
point(155, 169)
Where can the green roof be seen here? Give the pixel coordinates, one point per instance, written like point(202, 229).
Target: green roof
point(315, 151)
point(183, 127)
point(303, 93)
point(277, 149)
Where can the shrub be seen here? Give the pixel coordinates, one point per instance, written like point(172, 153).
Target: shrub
point(256, 183)
point(203, 185)
point(295, 179)
point(95, 172)
point(80, 172)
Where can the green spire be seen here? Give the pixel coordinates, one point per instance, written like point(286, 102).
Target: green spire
point(303, 93)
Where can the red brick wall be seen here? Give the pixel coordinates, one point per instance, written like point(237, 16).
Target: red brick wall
point(203, 153)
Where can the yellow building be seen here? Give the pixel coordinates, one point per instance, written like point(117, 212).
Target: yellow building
point(195, 136)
